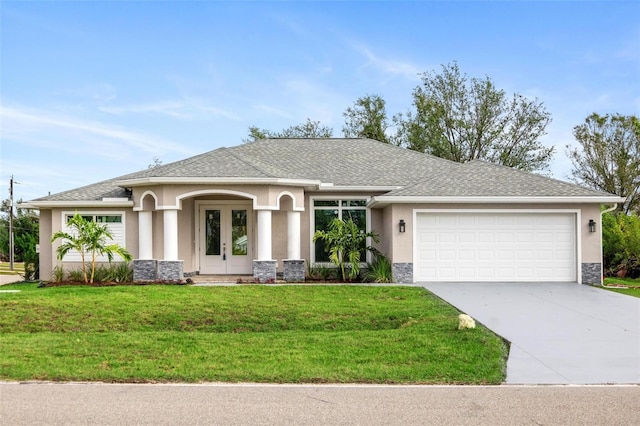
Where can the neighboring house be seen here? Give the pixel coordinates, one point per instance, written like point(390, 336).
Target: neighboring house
point(253, 209)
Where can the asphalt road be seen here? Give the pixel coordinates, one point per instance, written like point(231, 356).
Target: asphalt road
point(230, 404)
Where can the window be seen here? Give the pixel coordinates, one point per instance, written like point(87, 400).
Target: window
point(324, 211)
point(115, 224)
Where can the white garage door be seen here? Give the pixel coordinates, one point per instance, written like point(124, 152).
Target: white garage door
point(496, 247)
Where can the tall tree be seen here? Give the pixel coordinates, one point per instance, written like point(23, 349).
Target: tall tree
point(461, 119)
point(608, 157)
point(308, 129)
point(367, 118)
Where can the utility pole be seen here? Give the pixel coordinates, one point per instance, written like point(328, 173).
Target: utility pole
point(11, 224)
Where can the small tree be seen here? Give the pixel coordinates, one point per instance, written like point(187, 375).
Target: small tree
point(345, 243)
point(367, 118)
point(88, 237)
point(308, 129)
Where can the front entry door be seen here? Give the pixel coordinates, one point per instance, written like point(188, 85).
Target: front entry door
point(225, 240)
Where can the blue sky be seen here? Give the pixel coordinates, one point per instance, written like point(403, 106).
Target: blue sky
point(92, 90)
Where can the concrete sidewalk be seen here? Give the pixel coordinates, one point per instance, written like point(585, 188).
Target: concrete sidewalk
point(8, 279)
point(560, 333)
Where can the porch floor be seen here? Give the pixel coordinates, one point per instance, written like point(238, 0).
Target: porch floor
point(202, 279)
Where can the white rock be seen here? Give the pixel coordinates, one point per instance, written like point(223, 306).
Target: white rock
point(465, 321)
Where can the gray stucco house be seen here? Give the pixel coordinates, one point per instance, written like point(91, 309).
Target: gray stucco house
point(253, 208)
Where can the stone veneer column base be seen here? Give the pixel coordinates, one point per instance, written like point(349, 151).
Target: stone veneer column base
point(264, 270)
point(592, 274)
point(294, 270)
point(145, 269)
point(170, 270)
point(402, 272)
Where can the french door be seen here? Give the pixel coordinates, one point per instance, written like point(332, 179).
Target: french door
point(225, 239)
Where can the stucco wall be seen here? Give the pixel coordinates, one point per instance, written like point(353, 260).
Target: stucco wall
point(402, 245)
point(46, 250)
point(265, 195)
point(386, 242)
point(186, 235)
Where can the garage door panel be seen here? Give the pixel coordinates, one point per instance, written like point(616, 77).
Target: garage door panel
point(496, 246)
point(426, 237)
point(446, 237)
point(466, 237)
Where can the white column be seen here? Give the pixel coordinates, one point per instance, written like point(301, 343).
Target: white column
point(264, 235)
point(170, 234)
point(293, 235)
point(145, 235)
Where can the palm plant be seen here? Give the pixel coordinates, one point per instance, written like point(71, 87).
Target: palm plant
point(345, 243)
point(87, 236)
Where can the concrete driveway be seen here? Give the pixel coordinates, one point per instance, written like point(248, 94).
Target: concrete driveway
point(560, 333)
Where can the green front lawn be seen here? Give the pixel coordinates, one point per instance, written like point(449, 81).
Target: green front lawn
point(281, 334)
point(630, 282)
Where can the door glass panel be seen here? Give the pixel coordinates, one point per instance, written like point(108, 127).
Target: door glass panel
point(212, 225)
point(239, 232)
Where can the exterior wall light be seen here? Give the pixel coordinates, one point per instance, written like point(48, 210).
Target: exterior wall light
point(592, 225)
point(402, 225)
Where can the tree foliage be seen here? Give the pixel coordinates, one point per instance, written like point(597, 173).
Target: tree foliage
point(621, 244)
point(345, 243)
point(308, 129)
point(367, 118)
point(26, 225)
point(462, 119)
point(608, 157)
point(88, 238)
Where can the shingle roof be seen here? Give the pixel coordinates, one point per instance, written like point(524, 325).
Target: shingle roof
point(344, 162)
point(481, 179)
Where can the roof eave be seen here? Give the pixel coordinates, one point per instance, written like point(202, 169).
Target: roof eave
point(384, 200)
point(130, 183)
point(329, 187)
point(38, 205)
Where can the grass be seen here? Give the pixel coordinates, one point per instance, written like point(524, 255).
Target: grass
point(18, 268)
point(288, 334)
point(624, 281)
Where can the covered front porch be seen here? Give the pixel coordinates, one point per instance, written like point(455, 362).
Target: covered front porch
point(186, 231)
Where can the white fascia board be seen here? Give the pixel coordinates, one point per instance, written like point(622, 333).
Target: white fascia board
point(74, 204)
point(384, 200)
point(359, 188)
point(129, 183)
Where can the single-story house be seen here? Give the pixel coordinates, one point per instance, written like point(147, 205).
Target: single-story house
point(253, 209)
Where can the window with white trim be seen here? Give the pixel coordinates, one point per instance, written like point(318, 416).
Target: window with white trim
point(115, 224)
point(326, 210)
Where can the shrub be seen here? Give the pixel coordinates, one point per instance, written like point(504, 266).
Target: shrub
point(57, 274)
point(621, 244)
point(76, 275)
point(322, 272)
point(379, 271)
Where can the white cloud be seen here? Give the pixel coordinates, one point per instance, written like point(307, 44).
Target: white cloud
point(388, 66)
point(186, 109)
point(33, 126)
point(272, 111)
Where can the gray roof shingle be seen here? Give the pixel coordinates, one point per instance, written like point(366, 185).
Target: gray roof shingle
point(344, 162)
point(481, 179)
